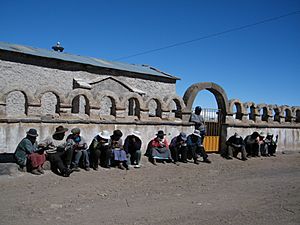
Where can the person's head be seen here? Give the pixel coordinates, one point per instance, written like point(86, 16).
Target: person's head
point(32, 134)
point(182, 136)
point(196, 133)
point(117, 134)
point(160, 134)
point(136, 134)
point(59, 133)
point(236, 135)
point(198, 110)
point(76, 134)
point(254, 135)
point(104, 135)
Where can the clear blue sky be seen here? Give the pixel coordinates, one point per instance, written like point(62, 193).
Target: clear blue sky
point(259, 64)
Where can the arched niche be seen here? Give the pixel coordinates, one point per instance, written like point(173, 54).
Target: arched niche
point(80, 105)
point(16, 104)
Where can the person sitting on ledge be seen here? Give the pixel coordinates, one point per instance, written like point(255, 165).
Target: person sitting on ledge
point(252, 144)
point(79, 146)
point(57, 152)
point(158, 149)
point(27, 154)
point(270, 144)
point(195, 146)
point(132, 146)
point(235, 144)
point(178, 146)
point(118, 153)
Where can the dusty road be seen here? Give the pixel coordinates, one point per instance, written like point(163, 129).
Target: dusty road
point(258, 191)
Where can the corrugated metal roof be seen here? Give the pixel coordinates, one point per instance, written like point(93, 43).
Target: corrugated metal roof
point(144, 69)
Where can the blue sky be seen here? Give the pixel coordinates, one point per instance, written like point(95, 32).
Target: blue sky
point(259, 64)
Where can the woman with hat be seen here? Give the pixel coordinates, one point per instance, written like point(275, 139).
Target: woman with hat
point(100, 150)
point(119, 155)
point(27, 154)
point(58, 152)
point(132, 146)
point(159, 148)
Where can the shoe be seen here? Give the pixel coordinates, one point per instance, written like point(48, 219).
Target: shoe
point(87, 168)
point(35, 172)
point(96, 168)
point(154, 162)
point(22, 169)
point(206, 160)
point(244, 159)
point(121, 167)
point(196, 162)
point(229, 157)
point(40, 169)
point(67, 172)
point(185, 161)
point(137, 166)
point(76, 169)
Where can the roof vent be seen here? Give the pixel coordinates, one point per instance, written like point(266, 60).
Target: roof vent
point(57, 47)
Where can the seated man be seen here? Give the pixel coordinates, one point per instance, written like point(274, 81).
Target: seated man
point(252, 144)
point(158, 148)
point(262, 145)
point(58, 152)
point(118, 153)
point(235, 144)
point(79, 146)
point(27, 154)
point(178, 146)
point(132, 146)
point(195, 147)
point(100, 150)
point(271, 145)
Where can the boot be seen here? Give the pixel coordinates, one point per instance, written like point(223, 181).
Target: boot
point(35, 172)
point(206, 160)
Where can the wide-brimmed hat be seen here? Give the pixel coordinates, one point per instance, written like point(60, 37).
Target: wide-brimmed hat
point(104, 134)
point(269, 134)
point(75, 130)
point(262, 134)
point(197, 133)
point(183, 136)
point(136, 134)
point(60, 129)
point(160, 133)
point(32, 132)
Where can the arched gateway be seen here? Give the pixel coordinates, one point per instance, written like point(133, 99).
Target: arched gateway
point(214, 118)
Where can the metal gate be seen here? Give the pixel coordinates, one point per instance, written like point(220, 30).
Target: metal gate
point(213, 121)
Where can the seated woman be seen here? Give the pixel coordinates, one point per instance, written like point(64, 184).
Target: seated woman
point(28, 155)
point(158, 148)
point(119, 155)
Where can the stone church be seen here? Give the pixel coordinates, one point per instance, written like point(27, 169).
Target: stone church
point(44, 88)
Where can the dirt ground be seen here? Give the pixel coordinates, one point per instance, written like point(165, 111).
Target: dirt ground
point(258, 191)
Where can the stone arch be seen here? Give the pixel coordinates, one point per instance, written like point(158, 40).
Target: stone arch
point(220, 95)
point(109, 107)
point(287, 113)
point(60, 96)
point(29, 95)
point(264, 112)
point(85, 93)
point(296, 112)
point(251, 106)
point(180, 105)
point(50, 103)
point(160, 106)
point(16, 103)
point(80, 105)
point(239, 108)
point(276, 113)
point(133, 104)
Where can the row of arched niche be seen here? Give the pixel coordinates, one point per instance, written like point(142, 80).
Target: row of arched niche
point(18, 103)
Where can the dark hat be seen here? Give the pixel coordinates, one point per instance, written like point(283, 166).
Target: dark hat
point(198, 108)
point(160, 133)
point(32, 132)
point(183, 136)
point(60, 129)
point(117, 133)
point(75, 130)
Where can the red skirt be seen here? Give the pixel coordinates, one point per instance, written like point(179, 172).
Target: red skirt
point(37, 159)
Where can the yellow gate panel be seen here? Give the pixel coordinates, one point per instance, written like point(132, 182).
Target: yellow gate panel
point(211, 143)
